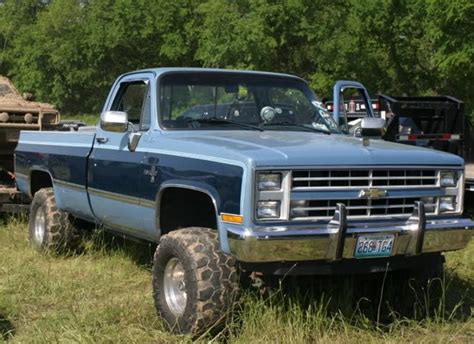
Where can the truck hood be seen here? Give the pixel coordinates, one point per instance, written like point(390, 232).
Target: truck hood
point(297, 148)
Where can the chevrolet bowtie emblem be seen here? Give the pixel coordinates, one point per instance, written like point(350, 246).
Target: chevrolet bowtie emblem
point(372, 193)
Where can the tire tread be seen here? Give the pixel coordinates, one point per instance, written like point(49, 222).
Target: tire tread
point(61, 233)
point(214, 273)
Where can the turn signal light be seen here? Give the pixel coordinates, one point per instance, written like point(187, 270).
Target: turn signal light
point(232, 218)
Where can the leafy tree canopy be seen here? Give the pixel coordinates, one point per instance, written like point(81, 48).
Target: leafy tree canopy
point(69, 51)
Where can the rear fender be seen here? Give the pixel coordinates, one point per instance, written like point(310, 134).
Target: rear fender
point(32, 190)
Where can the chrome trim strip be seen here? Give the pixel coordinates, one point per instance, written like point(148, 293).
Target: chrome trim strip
point(344, 188)
point(362, 217)
point(107, 194)
point(71, 144)
point(362, 207)
point(299, 179)
point(69, 185)
point(357, 167)
point(147, 203)
point(114, 196)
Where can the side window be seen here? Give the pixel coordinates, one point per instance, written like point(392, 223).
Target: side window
point(134, 99)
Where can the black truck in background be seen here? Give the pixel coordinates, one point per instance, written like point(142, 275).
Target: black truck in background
point(437, 122)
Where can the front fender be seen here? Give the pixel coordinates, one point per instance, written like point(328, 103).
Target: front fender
point(196, 186)
point(210, 192)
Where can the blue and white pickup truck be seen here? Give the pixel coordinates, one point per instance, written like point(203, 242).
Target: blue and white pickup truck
point(228, 170)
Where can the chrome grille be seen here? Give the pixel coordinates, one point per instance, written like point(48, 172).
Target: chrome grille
point(359, 208)
point(328, 185)
point(357, 179)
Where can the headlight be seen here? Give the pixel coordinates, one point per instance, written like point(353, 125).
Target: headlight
point(448, 178)
point(269, 181)
point(268, 209)
point(447, 204)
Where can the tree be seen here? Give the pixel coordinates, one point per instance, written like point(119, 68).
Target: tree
point(450, 27)
point(15, 16)
point(69, 51)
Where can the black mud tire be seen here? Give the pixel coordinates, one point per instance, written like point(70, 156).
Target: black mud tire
point(58, 232)
point(210, 280)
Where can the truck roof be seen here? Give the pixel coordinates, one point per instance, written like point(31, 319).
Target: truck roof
point(163, 70)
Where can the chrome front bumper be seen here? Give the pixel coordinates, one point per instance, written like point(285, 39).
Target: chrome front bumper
point(337, 240)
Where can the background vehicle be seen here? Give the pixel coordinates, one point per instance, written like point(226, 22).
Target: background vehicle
point(355, 108)
point(437, 122)
point(18, 112)
point(434, 122)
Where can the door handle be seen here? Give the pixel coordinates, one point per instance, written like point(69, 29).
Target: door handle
point(102, 139)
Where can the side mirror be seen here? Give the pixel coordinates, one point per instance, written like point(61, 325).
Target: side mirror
point(372, 127)
point(115, 121)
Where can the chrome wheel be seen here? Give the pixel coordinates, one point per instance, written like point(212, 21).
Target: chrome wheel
point(175, 287)
point(40, 225)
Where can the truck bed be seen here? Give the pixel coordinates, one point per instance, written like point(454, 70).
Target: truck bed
point(63, 154)
point(63, 157)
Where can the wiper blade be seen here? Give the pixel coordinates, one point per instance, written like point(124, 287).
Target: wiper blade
point(299, 126)
point(215, 120)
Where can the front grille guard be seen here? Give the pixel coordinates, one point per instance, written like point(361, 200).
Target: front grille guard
point(337, 226)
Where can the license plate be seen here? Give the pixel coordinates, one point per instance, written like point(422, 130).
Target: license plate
point(371, 246)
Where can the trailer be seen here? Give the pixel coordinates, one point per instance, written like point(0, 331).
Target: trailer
point(437, 122)
point(434, 122)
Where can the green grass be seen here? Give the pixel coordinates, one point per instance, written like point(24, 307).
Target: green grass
point(104, 295)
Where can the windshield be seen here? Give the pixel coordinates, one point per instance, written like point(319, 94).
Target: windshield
point(194, 101)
